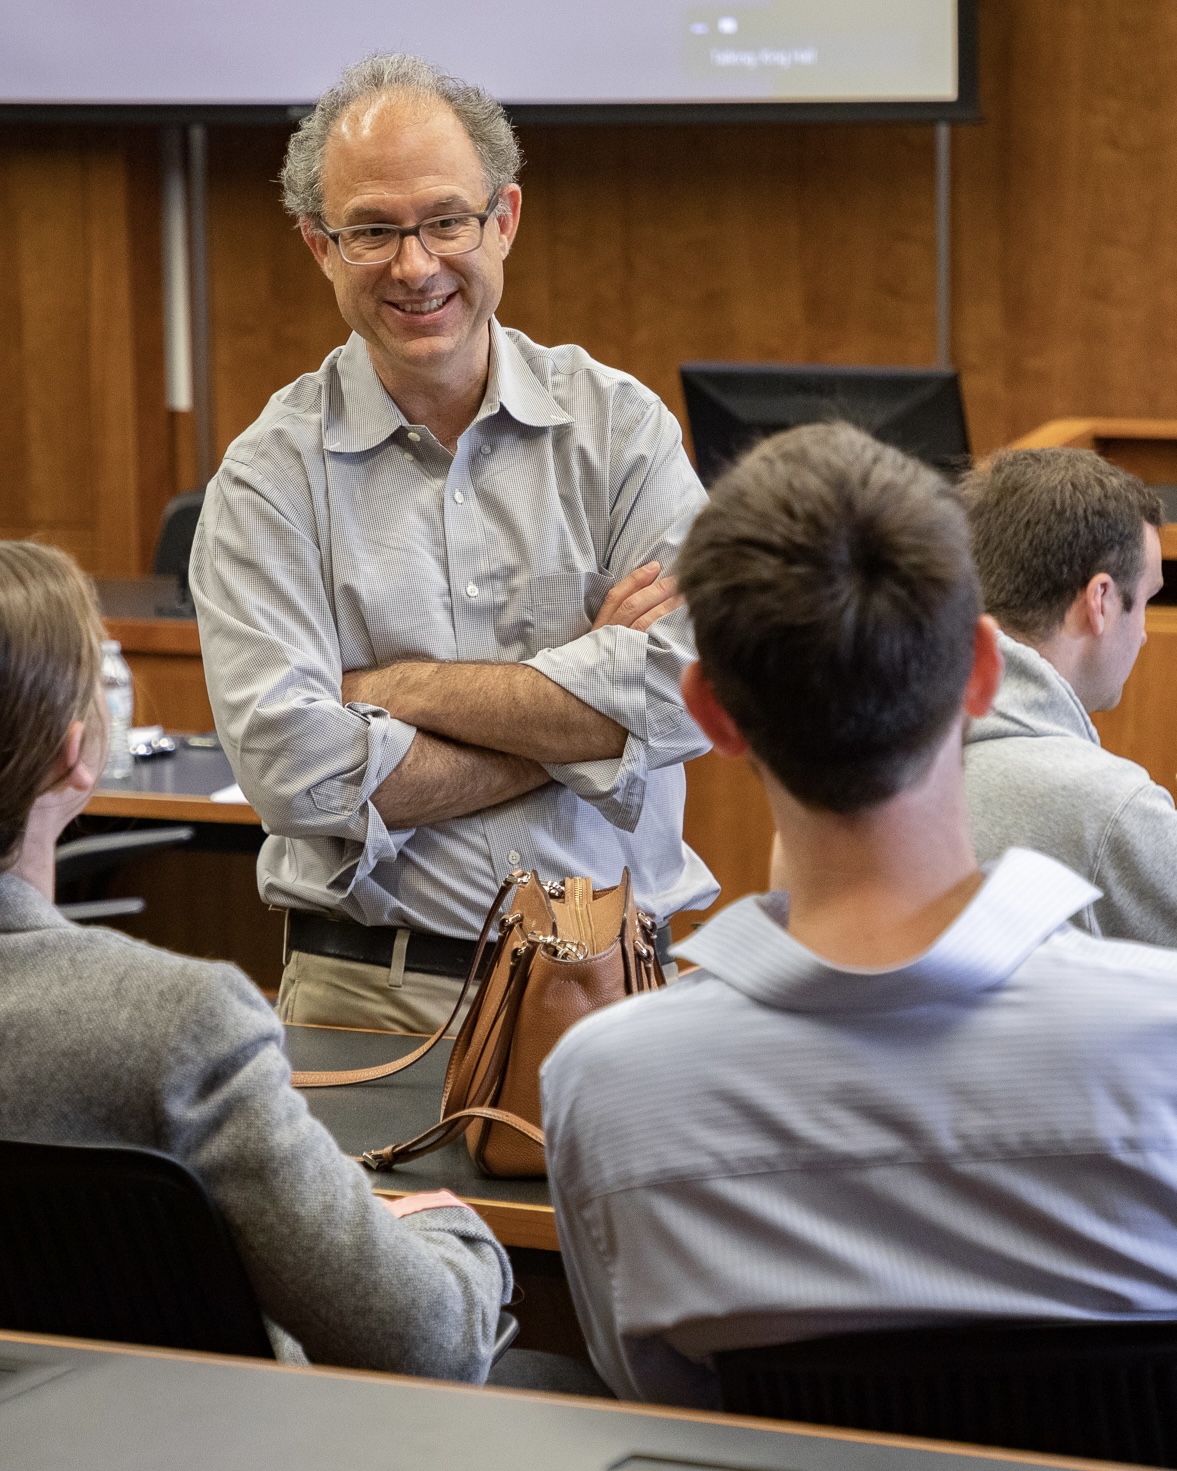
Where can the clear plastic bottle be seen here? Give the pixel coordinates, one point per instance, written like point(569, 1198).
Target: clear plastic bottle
point(120, 698)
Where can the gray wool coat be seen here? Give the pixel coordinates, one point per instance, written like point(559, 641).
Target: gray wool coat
point(104, 1040)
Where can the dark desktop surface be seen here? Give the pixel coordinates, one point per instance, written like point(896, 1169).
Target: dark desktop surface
point(362, 1116)
point(143, 597)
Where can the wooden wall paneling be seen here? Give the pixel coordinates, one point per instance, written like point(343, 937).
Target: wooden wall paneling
point(653, 245)
point(49, 486)
point(75, 303)
point(14, 446)
point(113, 439)
point(159, 475)
point(1064, 238)
point(273, 312)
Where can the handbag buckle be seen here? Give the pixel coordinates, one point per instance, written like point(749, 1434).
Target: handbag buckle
point(560, 949)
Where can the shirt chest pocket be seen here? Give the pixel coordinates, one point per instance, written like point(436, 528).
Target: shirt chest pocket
point(562, 606)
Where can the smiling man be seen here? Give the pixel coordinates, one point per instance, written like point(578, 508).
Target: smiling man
point(438, 630)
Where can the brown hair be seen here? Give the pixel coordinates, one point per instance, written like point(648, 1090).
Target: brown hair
point(1044, 522)
point(835, 604)
point(50, 660)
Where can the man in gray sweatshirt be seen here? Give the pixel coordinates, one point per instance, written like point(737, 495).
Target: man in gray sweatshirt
point(1068, 552)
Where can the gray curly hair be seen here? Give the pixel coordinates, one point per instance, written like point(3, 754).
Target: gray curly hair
point(484, 120)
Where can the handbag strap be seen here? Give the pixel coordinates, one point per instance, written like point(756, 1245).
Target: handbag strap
point(339, 1077)
point(443, 1132)
point(452, 1125)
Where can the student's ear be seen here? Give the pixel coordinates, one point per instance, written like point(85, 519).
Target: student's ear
point(1100, 592)
point(988, 667)
point(709, 715)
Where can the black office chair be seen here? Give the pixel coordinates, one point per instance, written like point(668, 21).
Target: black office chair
point(1101, 1390)
point(107, 1241)
point(125, 1244)
point(177, 528)
point(89, 858)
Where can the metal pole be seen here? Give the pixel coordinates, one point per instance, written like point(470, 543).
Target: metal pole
point(943, 245)
point(177, 306)
point(198, 254)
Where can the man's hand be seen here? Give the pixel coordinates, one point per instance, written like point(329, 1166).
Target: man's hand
point(639, 599)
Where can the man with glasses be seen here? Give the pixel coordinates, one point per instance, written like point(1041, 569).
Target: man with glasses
point(438, 629)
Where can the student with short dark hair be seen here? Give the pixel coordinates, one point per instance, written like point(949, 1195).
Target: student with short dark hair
point(1068, 552)
point(106, 1040)
point(906, 1090)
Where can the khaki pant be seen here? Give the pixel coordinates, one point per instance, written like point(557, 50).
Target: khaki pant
point(318, 990)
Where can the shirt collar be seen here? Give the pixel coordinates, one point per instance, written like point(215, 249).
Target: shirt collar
point(515, 387)
point(24, 908)
point(359, 413)
point(1025, 897)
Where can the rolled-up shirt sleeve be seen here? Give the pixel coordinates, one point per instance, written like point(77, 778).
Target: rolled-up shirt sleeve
point(631, 677)
point(307, 763)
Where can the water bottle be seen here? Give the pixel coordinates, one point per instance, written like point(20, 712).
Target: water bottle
point(120, 698)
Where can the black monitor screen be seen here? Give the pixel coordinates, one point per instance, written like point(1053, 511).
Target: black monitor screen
point(733, 405)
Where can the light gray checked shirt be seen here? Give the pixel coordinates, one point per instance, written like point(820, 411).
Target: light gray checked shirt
point(337, 536)
point(779, 1148)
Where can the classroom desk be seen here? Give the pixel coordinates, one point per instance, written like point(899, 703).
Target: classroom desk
point(371, 1115)
point(174, 789)
point(64, 1402)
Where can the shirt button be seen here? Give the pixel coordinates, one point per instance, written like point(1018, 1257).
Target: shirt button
point(408, 456)
point(459, 497)
point(414, 436)
point(514, 857)
point(471, 590)
point(485, 450)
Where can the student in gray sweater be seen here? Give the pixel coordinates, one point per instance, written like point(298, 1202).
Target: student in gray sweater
point(1068, 553)
point(104, 1039)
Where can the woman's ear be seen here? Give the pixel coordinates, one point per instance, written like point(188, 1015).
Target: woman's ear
point(709, 715)
point(76, 768)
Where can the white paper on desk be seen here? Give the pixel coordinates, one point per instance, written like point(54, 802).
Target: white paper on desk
point(228, 794)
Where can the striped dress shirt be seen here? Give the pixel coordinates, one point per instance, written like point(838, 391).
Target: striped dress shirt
point(337, 536)
point(778, 1148)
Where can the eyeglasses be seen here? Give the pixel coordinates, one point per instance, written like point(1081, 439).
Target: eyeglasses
point(375, 244)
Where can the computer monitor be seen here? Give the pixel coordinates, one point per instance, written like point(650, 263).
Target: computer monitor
point(732, 405)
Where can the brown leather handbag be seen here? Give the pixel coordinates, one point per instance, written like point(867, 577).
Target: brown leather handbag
point(562, 951)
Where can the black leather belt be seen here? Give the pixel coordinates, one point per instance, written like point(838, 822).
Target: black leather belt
point(435, 955)
point(343, 939)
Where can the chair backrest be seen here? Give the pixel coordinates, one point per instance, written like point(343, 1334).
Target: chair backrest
point(177, 528)
point(108, 1241)
point(1101, 1390)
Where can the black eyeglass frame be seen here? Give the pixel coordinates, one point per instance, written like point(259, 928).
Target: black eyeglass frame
point(405, 232)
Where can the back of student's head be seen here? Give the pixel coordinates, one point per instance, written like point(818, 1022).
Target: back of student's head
point(1045, 522)
point(835, 604)
point(50, 658)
